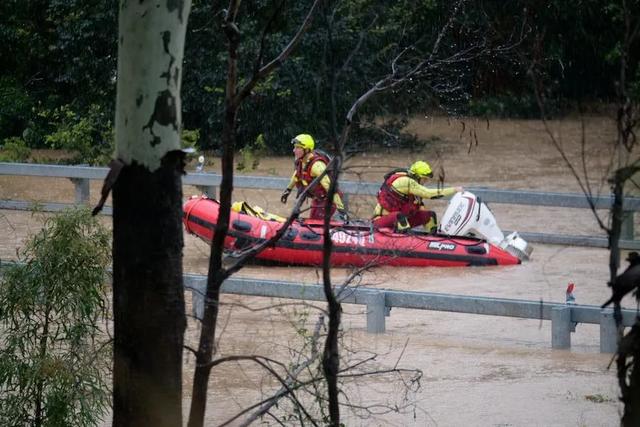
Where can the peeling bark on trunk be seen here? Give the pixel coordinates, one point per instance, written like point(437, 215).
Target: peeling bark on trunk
point(148, 294)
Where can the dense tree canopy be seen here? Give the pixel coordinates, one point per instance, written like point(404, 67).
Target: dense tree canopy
point(59, 61)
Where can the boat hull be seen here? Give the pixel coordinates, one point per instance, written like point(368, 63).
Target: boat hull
point(356, 245)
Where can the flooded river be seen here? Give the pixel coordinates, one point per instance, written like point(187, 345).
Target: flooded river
point(477, 370)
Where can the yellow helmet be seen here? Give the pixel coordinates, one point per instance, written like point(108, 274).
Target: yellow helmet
point(421, 169)
point(305, 141)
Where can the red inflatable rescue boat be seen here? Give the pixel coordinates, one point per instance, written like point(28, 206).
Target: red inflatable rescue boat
point(353, 244)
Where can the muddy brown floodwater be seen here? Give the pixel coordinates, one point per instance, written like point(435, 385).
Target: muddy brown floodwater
point(478, 370)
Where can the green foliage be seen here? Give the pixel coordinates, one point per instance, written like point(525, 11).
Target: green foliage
point(15, 107)
point(190, 138)
point(250, 155)
point(53, 357)
point(14, 150)
point(575, 46)
point(89, 137)
point(54, 53)
point(62, 54)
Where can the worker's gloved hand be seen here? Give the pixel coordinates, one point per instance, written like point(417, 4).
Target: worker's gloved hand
point(285, 195)
point(343, 215)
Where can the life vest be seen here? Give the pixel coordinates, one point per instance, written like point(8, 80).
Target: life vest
point(304, 178)
point(391, 199)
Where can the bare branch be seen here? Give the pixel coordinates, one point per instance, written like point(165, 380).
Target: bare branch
point(343, 373)
point(260, 360)
point(561, 151)
point(445, 28)
point(338, 73)
point(291, 377)
point(263, 37)
point(191, 349)
point(250, 253)
point(276, 62)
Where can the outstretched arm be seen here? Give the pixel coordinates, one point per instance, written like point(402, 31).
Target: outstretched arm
point(407, 185)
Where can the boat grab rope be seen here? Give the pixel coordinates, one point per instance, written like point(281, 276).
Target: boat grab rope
point(440, 238)
point(366, 232)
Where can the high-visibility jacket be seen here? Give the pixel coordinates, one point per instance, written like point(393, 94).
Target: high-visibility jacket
point(307, 169)
point(401, 192)
point(393, 200)
point(304, 177)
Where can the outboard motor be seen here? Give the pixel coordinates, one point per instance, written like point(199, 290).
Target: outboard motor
point(466, 215)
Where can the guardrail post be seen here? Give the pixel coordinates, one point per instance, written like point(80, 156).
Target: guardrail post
point(608, 332)
point(627, 232)
point(207, 190)
point(197, 304)
point(82, 190)
point(376, 312)
point(560, 327)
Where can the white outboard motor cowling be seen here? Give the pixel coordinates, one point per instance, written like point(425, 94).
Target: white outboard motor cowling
point(466, 215)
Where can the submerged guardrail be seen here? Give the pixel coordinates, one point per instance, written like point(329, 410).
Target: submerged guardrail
point(379, 303)
point(208, 183)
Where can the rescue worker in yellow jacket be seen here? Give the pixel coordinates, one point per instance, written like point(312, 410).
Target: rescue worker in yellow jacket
point(309, 164)
point(400, 198)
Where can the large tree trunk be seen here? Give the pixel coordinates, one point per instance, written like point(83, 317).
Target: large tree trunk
point(148, 299)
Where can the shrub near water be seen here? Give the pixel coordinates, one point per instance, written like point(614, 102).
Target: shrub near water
point(88, 136)
point(14, 150)
point(53, 357)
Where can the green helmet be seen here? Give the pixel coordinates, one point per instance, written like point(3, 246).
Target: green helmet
point(421, 169)
point(304, 141)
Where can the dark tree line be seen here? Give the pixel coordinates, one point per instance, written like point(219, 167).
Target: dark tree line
point(59, 60)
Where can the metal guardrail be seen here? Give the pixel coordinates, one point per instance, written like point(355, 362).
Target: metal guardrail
point(379, 302)
point(208, 183)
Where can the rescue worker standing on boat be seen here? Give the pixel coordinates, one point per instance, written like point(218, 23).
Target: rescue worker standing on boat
point(400, 199)
point(309, 164)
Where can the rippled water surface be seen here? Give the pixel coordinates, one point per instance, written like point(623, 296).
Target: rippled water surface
point(478, 370)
